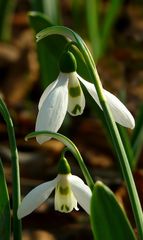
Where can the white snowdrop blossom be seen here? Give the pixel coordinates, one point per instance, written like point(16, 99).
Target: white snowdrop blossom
point(65, 95)
point(69, 189)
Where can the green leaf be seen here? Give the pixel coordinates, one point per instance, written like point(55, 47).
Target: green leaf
point(38, 21)
point(127, 146)
point(108, 220)
point(71, 146)
point(52, 10)
point(4, 207)
point(109, 21)
point(92, 13)
point(17, 233)
point(137, 137)
point(49, 8)
point(49, 49)
point(6, 13)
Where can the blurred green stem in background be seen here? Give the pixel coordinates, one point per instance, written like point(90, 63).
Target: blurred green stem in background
point(6, 12)
point(15, 170)
point(92, 12)
point(50, 8)
point(99, 28)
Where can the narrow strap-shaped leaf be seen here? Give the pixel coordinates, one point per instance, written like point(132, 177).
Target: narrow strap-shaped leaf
point(52, 10)
point(49, 50)
point(38, 21)
point(4, 207)
point(6, 12)
point(17, 233)
point(137, 137)
point(92, 12)
point(108, 220)
point(127, 145)
point(49, 8)
point(112, 13)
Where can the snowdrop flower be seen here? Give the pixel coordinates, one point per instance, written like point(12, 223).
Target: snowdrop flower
point(65, 94)
point(69, 190)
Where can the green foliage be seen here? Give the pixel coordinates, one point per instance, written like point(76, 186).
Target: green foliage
point(137, 136)
point(127, 145)
point(6, 13)
point(17, 234)
point(49, 8)
point(134, 144)
point(71, 146)
point(4, 207)
point(51, 48)
point(99, 30)
point(108, 220)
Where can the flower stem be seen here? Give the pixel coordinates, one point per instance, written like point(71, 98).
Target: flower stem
point(17, 232)
point(118, 145)
point(115, 136)
point(70, 146)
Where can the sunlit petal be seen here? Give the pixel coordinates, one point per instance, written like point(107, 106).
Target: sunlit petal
point(46, 92)
point(53, 109)
point(81, 192)
point(90, 88)
point(76, 102)
point(120, 113)
point(35, 198)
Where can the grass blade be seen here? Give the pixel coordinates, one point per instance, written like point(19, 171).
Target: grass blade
point(4, 207)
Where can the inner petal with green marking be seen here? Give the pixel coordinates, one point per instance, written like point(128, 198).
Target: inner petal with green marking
point(76, 100)
point(64, 198)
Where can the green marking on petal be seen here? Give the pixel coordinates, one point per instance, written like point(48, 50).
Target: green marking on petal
point(76, 108)
point(75, 91)
point(62, 207)
point(64, 191)
point(67, 208)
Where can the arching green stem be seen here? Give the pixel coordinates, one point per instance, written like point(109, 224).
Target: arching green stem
point(115, 136)
point(71, 146)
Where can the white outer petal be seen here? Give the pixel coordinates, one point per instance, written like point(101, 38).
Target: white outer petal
point(47, 91)
point(81, 192)
point(53, 110)
point(91, 89)
point(120, 113)
point(35, 198)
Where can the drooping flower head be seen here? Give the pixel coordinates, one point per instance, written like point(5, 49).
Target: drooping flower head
point(65, 95)
point(69, 189)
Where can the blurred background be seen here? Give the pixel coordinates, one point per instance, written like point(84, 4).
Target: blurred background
point(113, 31)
